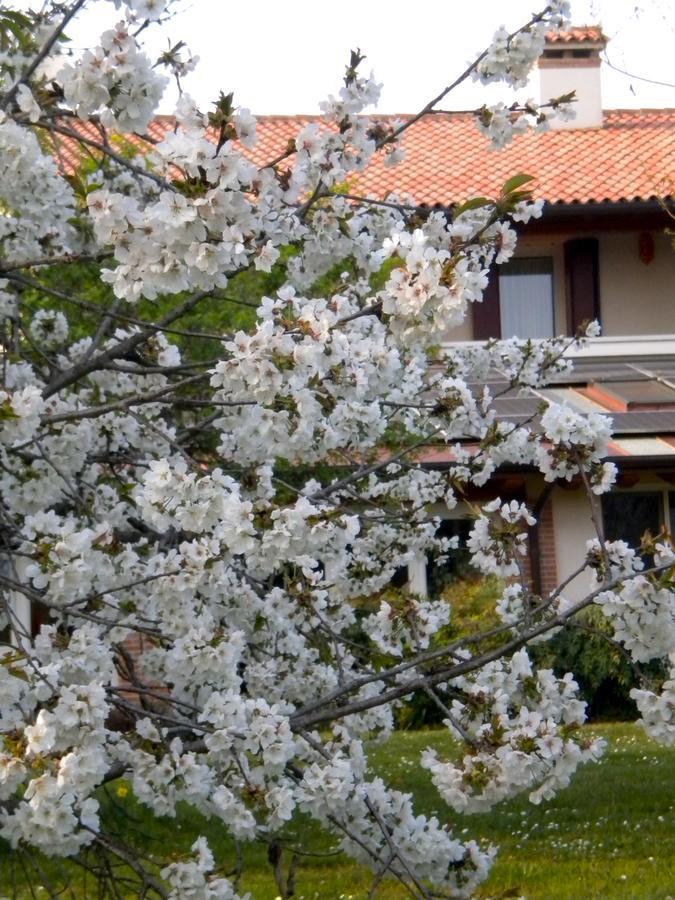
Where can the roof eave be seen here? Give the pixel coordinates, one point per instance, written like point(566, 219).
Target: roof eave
point(648, 214)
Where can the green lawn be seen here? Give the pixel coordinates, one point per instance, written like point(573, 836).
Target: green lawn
point(611, 835)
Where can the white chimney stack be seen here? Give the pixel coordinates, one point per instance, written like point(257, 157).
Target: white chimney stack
point(571, 62)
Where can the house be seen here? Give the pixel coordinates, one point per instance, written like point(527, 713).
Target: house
point(600, 250)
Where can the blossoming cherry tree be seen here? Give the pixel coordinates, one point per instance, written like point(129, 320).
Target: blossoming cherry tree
point(233, 504)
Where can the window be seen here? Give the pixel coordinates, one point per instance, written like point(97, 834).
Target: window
point(526, 298)
point(20, 619)
point(428, 577)
point(458, 562)
point(628, 514)
point(519, 300)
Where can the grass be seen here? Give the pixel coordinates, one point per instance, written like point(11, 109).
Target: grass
point(611, 835)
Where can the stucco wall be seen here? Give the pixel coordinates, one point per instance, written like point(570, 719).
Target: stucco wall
point(636, 298)
point(464, 332)
point(572, 528)
point(584, 80)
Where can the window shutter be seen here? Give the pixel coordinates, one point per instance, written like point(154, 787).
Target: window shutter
point(487, 322)
point(583, 290)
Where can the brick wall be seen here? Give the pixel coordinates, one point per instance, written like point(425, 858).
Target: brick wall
point(549, 574)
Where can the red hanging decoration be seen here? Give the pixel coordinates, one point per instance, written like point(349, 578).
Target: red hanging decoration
point(646, 247)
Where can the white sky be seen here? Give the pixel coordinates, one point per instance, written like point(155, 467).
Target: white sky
point(284, 57)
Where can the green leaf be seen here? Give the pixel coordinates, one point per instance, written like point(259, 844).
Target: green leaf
point(6, 411)
point(519, 196)
point(516, 182)
point(474, 203)
point(16, 24)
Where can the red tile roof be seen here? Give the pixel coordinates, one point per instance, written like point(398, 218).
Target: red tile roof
point(577, 34)
point(631, 157)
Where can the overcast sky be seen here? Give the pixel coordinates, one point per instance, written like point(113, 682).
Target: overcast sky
point(284, 57)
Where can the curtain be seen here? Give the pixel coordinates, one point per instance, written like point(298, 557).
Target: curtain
point(526, 298)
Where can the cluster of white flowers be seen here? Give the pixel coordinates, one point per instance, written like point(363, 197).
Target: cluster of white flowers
point(335, 791)
point(8, 302)
point(313, 390)
point(510, 606)
point(115, 80)
point(422, 292)
point(50, 817)
point(658, 709)
point(643, 617)
point(27, 103)
point(170, 496)
point(612, 559)
point(191, 880)
point(57, 812)
point(641, 611)
point(576, 440)
point(33, 223)
point(144, 10)
point(49, 328)
point(501, 123)
point(521, 727)
point(20, 414)
point(498, 543)
point(414, 626)
point(510, 58)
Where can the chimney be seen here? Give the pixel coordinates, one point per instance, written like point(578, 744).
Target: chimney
point(571, 62)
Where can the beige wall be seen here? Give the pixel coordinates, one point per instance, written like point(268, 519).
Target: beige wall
point(636, 298)
point(465, 330)
point(572, 527)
